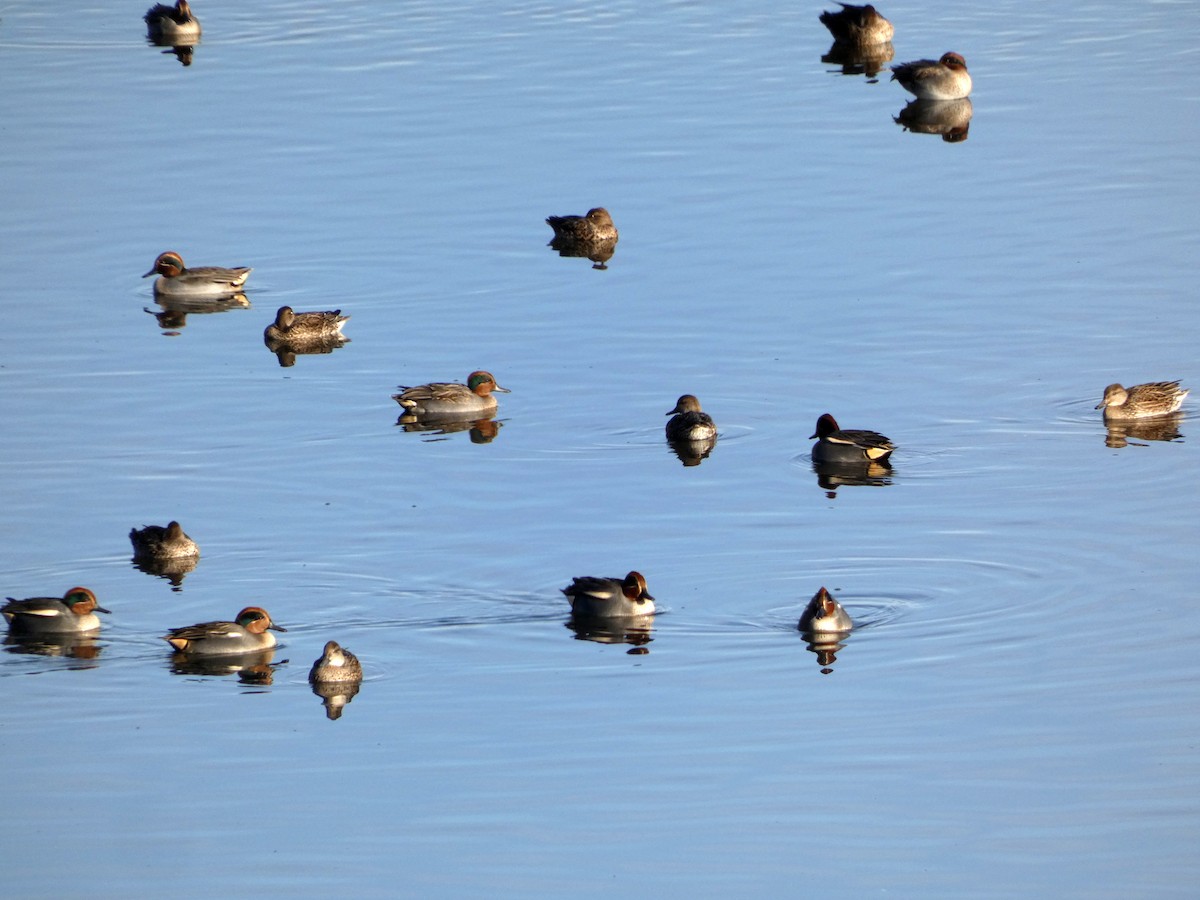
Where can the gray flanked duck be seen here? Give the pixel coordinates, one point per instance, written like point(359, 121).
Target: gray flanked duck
point(824, 615)
point(176, 278)
point(74, 613)
point(246, 634)
point(447, 398)
point(610, 597)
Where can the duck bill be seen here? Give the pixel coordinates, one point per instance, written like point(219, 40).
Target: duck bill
point(103, 610)
point(497, 387)
point(151, 272)
point(275, 627)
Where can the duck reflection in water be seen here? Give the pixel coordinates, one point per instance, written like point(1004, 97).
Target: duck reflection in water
point(859, 59)
point(949, 118)
point(482, 431)
point(261, 674)
point(831, 476)
point(175, 309)
point(1121, 432)
point(634, 630)
point(824, 625)
point(82, 646)
point(285, 354)
point(255, 667)
point(336, 695)
point(692, 453)
point(182, 52)
point(599, 252)
point(174, 570)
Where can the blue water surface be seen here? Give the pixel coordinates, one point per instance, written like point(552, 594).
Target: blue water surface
point(1016, 712)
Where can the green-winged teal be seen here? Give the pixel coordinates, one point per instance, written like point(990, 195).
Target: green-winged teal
point(75, 612)
point(858, 25)
point(442, 398)
point(824, 615)
point(175, 278)
point(610, 597)
point(943, 79)
point(245, 634)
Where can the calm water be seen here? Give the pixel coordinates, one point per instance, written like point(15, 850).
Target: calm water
point(1016, 712)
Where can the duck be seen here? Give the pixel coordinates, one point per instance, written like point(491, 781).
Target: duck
point(610, 597)
point(442, 398)
point(336, 663)
point(75, 612)
point(943, 79)
point(166, 23)
point(305, 327)
point(835, 445)
point(157, 542)
point(824, 615)
point(594, 227)
point(690, 422)
point(210, 281)
point(858, 25)
point(1155, 398)
point(246, 634)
